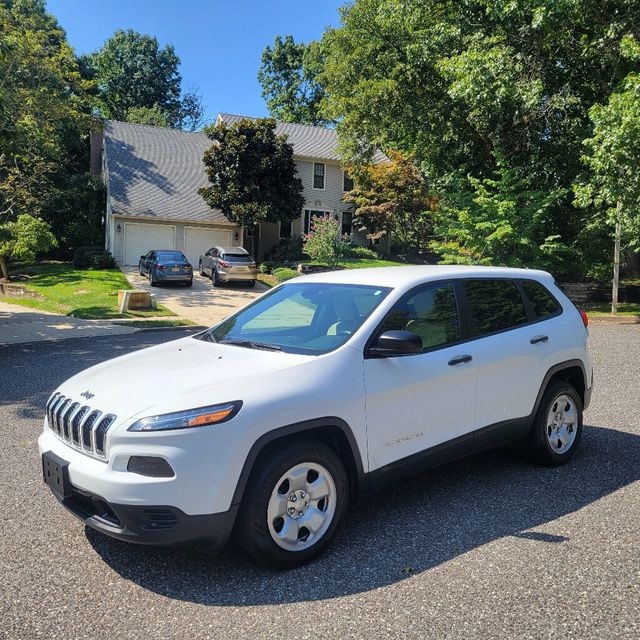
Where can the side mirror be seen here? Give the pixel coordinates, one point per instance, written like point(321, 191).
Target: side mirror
point(396, 343)
point(142, 257)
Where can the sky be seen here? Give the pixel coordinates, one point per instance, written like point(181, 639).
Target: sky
point(219, 42)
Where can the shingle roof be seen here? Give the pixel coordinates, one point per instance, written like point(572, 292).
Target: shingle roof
point(156, 172)
point(307, 140)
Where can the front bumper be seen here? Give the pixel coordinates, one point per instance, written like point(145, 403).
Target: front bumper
point(152, 525)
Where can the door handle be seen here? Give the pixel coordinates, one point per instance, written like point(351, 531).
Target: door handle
point(538, 339)
point(460, 360)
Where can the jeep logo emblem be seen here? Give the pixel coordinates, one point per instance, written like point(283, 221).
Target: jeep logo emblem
point(87, 395)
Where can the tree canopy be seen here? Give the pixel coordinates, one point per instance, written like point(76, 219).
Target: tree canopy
point(289, 77)
point(252, 174)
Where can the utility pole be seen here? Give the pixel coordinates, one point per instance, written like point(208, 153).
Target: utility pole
point(616, 259)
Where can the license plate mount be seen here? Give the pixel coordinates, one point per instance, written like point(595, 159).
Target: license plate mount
point(55, 473)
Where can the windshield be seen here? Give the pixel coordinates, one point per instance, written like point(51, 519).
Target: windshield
point(308, 318)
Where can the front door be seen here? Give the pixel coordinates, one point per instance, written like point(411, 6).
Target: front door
point(420, 401)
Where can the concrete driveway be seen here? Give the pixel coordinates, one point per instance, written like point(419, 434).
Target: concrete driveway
point(203, 303)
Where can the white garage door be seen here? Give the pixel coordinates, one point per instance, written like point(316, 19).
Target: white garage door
point(198, 240)
point(142, 238)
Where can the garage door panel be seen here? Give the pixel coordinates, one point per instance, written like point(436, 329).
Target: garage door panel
point(198, 240)
point(140, 238)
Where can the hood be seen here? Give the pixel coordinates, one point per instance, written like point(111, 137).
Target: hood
point(174, 376)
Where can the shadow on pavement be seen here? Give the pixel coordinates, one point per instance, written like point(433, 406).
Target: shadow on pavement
point(409, 527)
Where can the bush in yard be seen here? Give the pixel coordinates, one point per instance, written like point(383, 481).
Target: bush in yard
point(93, 258)
point(355, 251)
point(283, 274)
point(23, 240)
point(323, 243)
point(289, 250)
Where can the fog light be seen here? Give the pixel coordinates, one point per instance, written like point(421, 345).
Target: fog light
point(150, 466)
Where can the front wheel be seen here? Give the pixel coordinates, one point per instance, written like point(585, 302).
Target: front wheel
point(557, 428)
point(200, 268)
point(293, 504)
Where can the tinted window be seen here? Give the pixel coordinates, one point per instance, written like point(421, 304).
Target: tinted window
point(171, 255)
point(495, 305)
point(543, 303)
point(431, 313)
point(237, 257)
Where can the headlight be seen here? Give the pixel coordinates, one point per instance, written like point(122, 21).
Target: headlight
point(214, 414)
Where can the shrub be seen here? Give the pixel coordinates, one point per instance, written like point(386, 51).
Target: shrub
point(324, 244)
point(282, 274)
point(289, 250)
point(93, 258)
point(356, 251)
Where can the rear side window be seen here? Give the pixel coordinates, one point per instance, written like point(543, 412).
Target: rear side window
point(430, 312)
point(495, 305)
point(543, 303)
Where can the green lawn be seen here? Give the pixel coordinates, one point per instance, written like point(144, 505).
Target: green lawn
point(604, 309)
point(76, 292)
point(362, 263)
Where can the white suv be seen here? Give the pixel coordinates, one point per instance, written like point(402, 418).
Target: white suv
point(319, 391)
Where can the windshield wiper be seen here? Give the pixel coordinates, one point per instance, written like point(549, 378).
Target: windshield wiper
point(251, 344)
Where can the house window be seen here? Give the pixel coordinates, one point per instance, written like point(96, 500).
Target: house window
point(318, 175)
point(285, 229)
point(347, 182)
point(347, 223)
point(309, 214)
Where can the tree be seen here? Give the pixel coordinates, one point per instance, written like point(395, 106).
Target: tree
point(392, 197)
point(613, 159)
point(289, 78)
point(44, 121)
point(137, 78)
point(477, 88)
point(23, 240)
point(252, 175)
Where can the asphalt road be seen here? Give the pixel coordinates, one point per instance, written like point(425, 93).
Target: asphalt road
point(489, 547)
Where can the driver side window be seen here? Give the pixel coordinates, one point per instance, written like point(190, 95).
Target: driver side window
point(430, 312)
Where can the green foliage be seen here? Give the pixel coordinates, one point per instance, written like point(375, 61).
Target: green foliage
point(288, 250)
point(355, 251)
point(23, 240)
point(392, 197)
point(93, 258)
point(474, 90)
point(283, 274)
point(323, 243)
point(252, 174)
point(288, 75)
point(138, 81)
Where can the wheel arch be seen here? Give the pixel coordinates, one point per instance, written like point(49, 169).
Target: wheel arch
point(571, 371)
point(332, 431)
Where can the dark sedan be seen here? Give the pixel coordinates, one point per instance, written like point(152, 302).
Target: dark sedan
point(166, 266)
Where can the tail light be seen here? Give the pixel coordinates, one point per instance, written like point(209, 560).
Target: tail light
point(162, 267)
point(224, 265)
point(585, 317)
point(186, 266)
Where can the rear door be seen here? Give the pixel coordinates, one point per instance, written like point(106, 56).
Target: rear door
point(419, 401)
point(509, 363)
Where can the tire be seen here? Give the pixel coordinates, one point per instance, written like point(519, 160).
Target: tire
point(140, 270)
point(200, 268)
point(251, 284)
point(189, 283)
point(152, 280)
point(263, 515)
point(555, 434)
point(215, 280)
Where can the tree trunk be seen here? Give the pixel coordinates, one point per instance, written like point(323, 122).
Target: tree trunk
point(3, 269)
point(616, 259)
point(255, 242)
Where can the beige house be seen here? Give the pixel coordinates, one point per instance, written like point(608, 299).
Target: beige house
point(152, 176)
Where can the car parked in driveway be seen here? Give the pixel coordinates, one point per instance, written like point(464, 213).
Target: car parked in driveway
point(166, 265)
point(321, 390)
point(228, 264)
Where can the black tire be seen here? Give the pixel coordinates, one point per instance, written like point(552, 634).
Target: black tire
point(540, 450)
point(189, 283)
point(200, 268)
point(252, 529)
point(251, 284)
point(214, 278)
point(152, 280)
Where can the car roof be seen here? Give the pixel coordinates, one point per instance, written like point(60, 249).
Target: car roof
point(238, 250)
point(411, 275)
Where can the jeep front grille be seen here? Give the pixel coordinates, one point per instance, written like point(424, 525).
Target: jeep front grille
point(79, 425)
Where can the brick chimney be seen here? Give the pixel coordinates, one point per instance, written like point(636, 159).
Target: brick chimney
point(95, 147)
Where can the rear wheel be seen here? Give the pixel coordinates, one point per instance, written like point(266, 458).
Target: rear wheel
point(251, 284)
point(200, 268)
point(293, 504)
point(189, 283)
point(152, 279)
point(557, 429)
point(216, 281)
